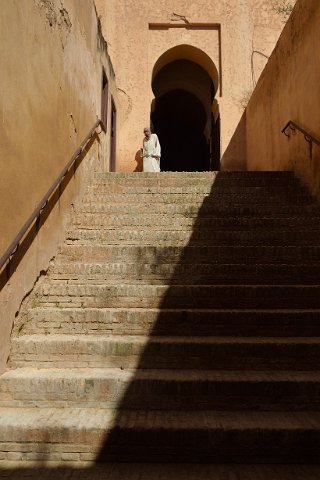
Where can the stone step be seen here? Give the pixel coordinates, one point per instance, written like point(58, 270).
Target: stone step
point(129, 351)
point(198, 188)
point(160, 436)
point(166, 181)
point(19, 469)
point(180, 221)
point(270, 174)
point(161, 389)
point(183, 321)
point(265, 254)
point(155, 176)
point(65, 295)
point(195, 236)
point(218, 199)
point(200, 210)
point(187, 273)
point(194, 178)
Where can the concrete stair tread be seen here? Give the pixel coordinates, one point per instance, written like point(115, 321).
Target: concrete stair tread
point(192, 210)
point(187, 272)
point(201, 188)
point(211, 280)
point(13, 470)
point(194, 231)
point(99, 220)
point(193, 214)
point(236, 229)
point(188, 263)
point(157, 375)
point(81, 282)
point(74, 253)
point(147, 253)
point(183, 241)
point(23, 421)
point(166, 352)
point(158, 175)
point(62, 294)
point(217, 176)
point(251, 322)
point(233, 173)
point(202, 182)
point(174, 340)
point(284, 209)
point(169, 310)
point(217, 296)
point(227, 200)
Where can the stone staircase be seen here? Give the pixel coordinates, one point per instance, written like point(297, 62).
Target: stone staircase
point(180, 322)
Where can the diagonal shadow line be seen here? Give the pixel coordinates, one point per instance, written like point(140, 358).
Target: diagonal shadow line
point(184, 311)
point(188, 325)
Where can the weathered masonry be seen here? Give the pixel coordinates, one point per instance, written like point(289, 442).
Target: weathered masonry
point(160, 325)
point(54, 88)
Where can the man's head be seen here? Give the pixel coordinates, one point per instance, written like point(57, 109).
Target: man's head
point(147, 132)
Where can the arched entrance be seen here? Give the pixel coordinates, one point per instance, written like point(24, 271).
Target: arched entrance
point(185, 83)
point(179, 120)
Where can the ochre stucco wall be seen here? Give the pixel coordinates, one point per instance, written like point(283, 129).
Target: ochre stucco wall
point(49, 71)
point(51, 60)
point(246, 27)
point(288, 89)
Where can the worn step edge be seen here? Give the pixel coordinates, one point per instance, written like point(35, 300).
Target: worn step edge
point(14, 469)
point(74, 340)
point(225, 200)
point(116, 388)
point(21, 422)
point(186, 273)
point(161, 322)
point(181, 220)
point(163, 254)
point(205, 353)
point(178, 375)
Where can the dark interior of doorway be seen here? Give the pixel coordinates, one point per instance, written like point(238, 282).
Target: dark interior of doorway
point(179, 120)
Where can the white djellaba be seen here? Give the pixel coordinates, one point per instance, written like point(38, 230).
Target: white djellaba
point(151, 154)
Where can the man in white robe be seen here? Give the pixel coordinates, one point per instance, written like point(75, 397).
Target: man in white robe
point(151, 152)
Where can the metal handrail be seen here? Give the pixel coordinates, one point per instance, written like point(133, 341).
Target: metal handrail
point(14, 246)
point(307, 135)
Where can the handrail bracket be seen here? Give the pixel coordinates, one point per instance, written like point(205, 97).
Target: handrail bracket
point(311, 139)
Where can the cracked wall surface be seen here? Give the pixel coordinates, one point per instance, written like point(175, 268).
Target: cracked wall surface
point(51, 62)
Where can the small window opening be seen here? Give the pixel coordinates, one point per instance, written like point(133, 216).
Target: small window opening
point(113, 136)
point(104, 101)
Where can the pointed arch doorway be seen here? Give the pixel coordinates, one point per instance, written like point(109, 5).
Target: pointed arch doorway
point(184, 112)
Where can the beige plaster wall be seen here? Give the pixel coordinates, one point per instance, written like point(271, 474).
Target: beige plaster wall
point(246, 26)
point(288, 89)
point(51, 59)
point(49, 97)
